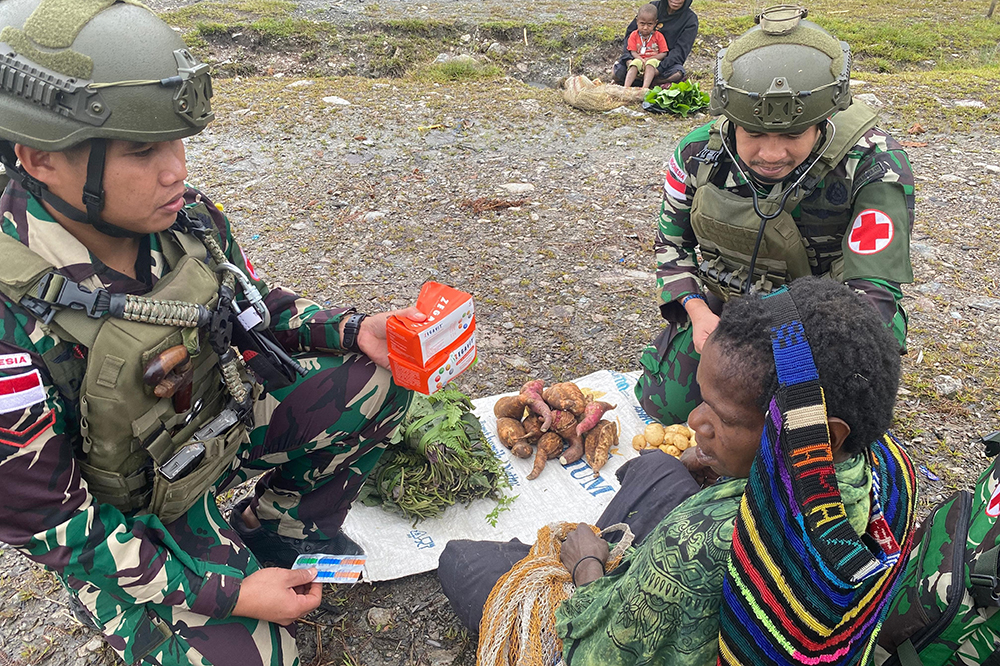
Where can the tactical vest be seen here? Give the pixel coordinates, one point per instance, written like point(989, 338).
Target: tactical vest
point(726, 224)
point(128, 433)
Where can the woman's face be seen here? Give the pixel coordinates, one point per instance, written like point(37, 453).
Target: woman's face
point(727, 424)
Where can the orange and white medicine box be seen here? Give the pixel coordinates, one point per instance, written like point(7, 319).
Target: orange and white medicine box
point(449, 315)
point(442, 369)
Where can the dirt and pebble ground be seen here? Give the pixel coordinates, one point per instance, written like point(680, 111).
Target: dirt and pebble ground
point(356, 191)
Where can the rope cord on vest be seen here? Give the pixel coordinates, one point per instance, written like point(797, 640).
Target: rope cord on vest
point(764, 219)
point(164, 313)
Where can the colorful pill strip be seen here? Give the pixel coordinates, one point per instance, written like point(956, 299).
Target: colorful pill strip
point(333, 568)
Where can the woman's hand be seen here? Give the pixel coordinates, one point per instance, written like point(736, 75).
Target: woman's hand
point(583, 543)
point(703, 474)
point(278, 595)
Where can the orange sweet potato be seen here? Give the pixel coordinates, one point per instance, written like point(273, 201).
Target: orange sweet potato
point(567, 396)
point(511, 407)
point(510, 431)
point(564, 423)
point(598, 444)
point(522, 449)
point(532, 393)
point(532, 425)
point(549, 446)
point(591, 415)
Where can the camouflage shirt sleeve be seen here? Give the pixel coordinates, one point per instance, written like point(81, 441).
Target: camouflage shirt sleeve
point(299, 324)
point(47, 512)
point(676, 262)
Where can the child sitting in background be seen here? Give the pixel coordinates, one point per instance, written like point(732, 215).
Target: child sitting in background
point(646, 45)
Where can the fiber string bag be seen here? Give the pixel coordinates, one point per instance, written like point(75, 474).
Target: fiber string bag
point(801, 587)
point(519, 626)
point(582, 93)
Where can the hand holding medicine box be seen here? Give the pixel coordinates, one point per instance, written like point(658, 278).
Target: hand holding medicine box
point(424, 356)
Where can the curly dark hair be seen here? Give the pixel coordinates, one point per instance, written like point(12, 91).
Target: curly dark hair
point(856, 355)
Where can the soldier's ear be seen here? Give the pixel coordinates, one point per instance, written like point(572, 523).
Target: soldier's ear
point(38, 163)
point(46, 166)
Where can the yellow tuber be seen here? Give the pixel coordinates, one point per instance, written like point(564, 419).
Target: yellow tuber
point(638, 442)
point(654, 434)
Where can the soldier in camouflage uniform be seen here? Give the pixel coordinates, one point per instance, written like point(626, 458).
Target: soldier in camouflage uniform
point(836, 191)
point(95, 99)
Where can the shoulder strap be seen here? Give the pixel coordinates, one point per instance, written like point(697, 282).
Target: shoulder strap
point(851, 124)
point(708, 158)
point(22, 271)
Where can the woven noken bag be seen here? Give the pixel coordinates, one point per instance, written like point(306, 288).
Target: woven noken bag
point(519, 620)
point(582, 93)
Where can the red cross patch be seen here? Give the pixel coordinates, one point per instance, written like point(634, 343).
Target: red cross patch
point(871, 232)
point(993, 506)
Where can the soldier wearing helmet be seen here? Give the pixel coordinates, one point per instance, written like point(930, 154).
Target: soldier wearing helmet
point(145, 367)
point(792, 179)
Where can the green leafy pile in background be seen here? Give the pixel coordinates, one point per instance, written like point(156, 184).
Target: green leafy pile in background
point(439, 457)
point(683, 97)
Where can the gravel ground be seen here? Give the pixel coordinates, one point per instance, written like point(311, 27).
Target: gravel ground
point(356, 191)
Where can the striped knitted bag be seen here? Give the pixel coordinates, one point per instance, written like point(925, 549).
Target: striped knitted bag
point(801, 587)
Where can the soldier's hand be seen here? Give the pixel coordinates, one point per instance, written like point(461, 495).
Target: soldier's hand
point(702, 324)
point(372, 336)
point(278, 595)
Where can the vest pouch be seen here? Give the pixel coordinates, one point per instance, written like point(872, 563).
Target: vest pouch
point(726, 227)
point(172, 499)
point(128, 493)
point(123, 418)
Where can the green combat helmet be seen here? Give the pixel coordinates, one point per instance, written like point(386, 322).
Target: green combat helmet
point(783, 75)
point(79, 70)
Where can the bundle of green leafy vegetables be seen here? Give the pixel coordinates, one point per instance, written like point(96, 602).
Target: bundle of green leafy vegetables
point(438, 458)
point(683, 97)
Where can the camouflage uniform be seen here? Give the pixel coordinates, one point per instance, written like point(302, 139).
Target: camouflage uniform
point(164, 593)
point(874, 178)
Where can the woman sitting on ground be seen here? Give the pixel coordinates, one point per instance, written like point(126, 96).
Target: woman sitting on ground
point(663, 604)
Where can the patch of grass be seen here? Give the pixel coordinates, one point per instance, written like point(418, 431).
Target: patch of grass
point(456, 70)
point(228, 12)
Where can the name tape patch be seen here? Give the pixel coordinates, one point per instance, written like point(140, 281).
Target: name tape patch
point(10, 361)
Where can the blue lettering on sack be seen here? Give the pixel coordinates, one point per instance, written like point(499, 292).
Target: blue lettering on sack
point(583, 473)
point(621, 382)
point(422, 539)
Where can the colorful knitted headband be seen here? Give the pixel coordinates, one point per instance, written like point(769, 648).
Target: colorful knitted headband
point(801, 587)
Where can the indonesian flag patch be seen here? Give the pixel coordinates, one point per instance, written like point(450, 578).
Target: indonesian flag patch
point(871, 232)
point(21, 391)
point(674, 185)
point(993, 506)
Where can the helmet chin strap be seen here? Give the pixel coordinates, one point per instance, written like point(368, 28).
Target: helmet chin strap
point(93, 189)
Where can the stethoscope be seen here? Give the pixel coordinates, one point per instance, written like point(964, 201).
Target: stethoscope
point(764, 219)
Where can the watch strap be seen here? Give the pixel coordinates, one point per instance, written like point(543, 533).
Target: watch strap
point(351, 330)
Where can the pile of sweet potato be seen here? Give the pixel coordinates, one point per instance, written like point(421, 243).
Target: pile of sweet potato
point(561, 421)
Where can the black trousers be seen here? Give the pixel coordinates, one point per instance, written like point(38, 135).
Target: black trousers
point(652, 485)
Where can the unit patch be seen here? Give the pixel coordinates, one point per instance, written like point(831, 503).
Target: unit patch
point(21, 391)
point(871, 232)
point(21, 437)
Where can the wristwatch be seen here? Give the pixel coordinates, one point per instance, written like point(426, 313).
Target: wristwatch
point(351, 330)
